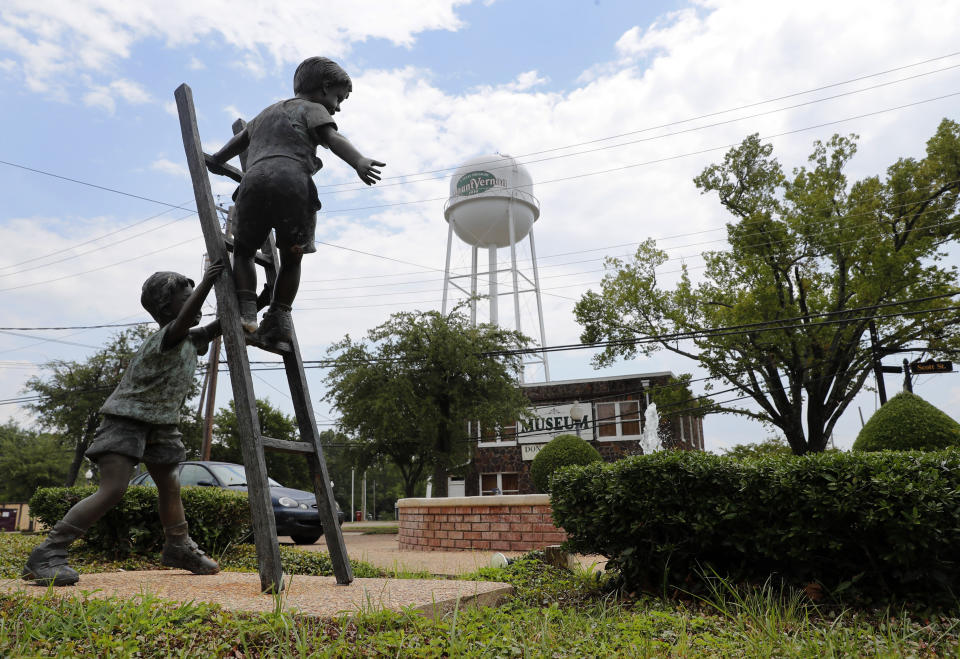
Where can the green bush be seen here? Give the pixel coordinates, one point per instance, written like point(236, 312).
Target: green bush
point(217, 517)
point(908, 423)
point(884, 523)
point(561, 451)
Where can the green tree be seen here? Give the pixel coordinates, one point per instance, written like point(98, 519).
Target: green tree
point(809, 259)
point(71, 396)
point(287, 469)
point(676, 398)
point(408, 391)
point(29, 460)
point(770, 447)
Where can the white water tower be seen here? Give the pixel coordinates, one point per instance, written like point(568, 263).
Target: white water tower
point(492, 206)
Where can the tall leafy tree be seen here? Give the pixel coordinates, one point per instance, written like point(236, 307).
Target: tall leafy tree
point(289, 470)
point(29, 460)
point(811, 260)
point(71, 395)
point(72, 392)
point(407, 392)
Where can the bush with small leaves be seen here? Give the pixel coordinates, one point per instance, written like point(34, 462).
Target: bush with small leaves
point(907, 422)
point(562, 451)
point(217, 518)
point(879, 523)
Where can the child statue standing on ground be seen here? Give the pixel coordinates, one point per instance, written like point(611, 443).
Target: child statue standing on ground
point(140, 423)
point(277, 191)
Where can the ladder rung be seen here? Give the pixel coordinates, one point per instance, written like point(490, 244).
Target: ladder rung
point(286, 445)
point(261, 257)
point(229, 170)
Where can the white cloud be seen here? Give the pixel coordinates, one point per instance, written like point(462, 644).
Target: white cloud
point(233, 111)
point(686, 65)
point(105, 96)
point(677, 28)
point(169, 167)
point(526, 81)
point(196, 64)
point(57, 40)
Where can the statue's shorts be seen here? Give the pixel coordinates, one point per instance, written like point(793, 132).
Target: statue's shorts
point(152, 444)
point(277, 193)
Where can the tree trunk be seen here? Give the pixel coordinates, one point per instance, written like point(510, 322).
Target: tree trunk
point(81, 448)
point(796, 439)
point(75, 465)
point(439, 481)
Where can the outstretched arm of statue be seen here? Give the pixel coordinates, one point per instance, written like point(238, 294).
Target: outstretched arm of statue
point(367, 168)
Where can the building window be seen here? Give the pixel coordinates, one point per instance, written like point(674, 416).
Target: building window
point(493, 484)
point(505, 435)
point(618, 420)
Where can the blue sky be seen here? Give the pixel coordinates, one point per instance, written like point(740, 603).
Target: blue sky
point(87, 89)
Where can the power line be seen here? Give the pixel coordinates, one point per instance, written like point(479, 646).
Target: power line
point(93, 240)
point(666, 158)
point(678, 122)
point(103, 267)
point(95, 249)
point(567, 178)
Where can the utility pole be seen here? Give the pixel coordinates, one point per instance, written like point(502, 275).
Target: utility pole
point(363, 498)
point(210, 386)
point(213, 368)
point(353, 489)
point(907, 379)
point(877, 366)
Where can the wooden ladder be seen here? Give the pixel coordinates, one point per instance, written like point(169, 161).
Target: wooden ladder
point(252, 442)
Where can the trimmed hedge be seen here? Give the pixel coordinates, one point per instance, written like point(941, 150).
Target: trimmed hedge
point(216, 517)
point(908, 423)
point(885, 523)
point(561, 451)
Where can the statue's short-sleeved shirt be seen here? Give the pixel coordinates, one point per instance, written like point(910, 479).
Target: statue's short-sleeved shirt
point(288, 129)
point(277, 191)
point(157, 381)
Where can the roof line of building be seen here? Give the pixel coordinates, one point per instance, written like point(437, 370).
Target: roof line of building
point(638, 376)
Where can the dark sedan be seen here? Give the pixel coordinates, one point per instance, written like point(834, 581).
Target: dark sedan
point(295, 511)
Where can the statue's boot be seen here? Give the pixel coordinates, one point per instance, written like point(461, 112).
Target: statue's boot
point(248, 310)
point(182, 552)
point(276, 330)
point(47, 564)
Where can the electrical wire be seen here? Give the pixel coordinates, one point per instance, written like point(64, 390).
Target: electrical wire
point(678, 122)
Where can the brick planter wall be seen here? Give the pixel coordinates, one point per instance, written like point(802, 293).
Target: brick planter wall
point(513, 522)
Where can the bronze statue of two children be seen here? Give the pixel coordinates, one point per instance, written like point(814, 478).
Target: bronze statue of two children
point(141, 416)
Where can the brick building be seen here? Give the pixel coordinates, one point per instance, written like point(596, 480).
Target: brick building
point(611, 411)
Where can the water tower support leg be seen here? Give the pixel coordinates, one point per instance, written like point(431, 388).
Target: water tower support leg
point(536, 287)
point(494, 319)
point(446, 270)
point(513, 266)
point(473, 286)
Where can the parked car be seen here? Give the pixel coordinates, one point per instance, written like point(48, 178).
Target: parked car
point(295, 511)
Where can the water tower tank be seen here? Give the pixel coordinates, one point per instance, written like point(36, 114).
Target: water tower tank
point(481, 192)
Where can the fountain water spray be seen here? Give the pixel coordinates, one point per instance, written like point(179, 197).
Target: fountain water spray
point(650, 437)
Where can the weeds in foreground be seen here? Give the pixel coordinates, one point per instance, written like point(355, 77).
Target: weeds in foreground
point(555, 613)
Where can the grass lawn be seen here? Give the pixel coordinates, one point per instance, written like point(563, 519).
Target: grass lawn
point(554, 613)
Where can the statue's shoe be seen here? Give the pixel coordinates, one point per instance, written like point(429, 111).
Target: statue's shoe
point(187, 556)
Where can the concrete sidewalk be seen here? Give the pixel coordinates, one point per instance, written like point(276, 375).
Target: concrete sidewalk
point(307, 595)
point(383, 551)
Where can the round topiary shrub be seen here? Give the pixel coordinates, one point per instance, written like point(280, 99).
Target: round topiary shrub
point(563, 450)
point(908, 423)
